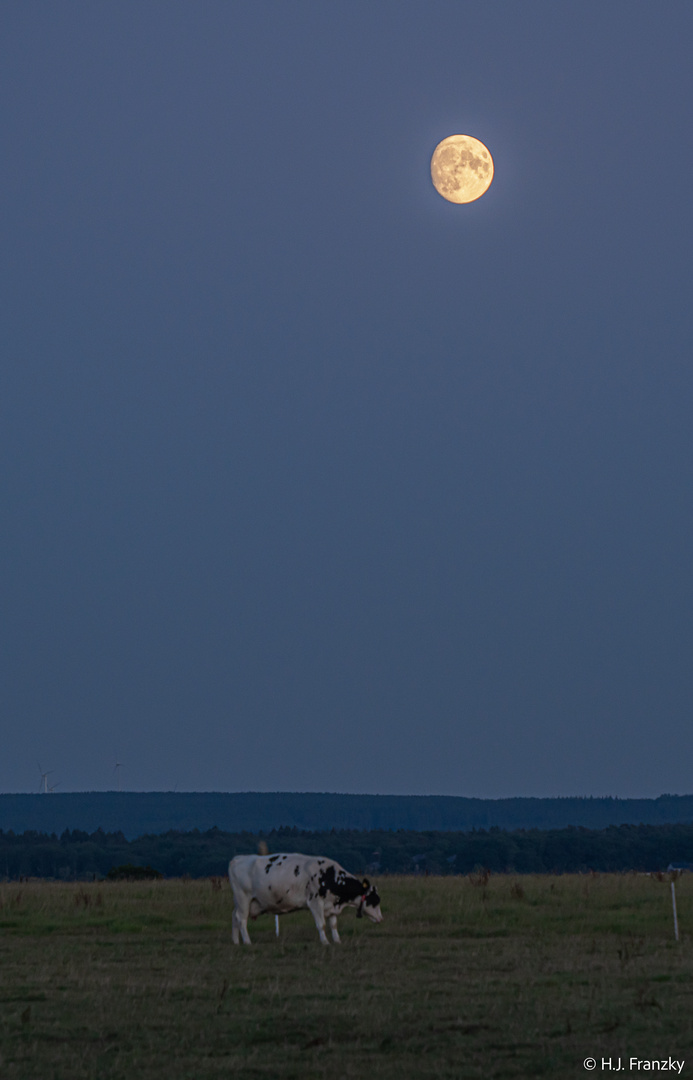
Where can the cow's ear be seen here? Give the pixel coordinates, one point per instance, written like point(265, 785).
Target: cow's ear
point(366, 884)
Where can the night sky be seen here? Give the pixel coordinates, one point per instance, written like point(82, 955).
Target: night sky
point(310, 479)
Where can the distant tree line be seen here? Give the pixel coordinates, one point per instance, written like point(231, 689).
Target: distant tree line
point(79, 855)
point(137, 813)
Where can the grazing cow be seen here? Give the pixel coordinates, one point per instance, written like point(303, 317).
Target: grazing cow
point(281, 883)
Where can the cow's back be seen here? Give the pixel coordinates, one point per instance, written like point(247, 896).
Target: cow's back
point(277, 883)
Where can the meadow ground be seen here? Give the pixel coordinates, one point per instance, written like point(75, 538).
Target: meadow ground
point(515, 977)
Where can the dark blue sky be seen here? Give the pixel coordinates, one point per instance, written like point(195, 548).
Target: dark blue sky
point(311, 480)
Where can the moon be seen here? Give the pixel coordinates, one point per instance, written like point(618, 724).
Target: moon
point(461, 168)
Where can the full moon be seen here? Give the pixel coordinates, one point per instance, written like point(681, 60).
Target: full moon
point(461, 168)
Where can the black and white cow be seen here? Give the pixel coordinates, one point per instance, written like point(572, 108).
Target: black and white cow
point(277, 884)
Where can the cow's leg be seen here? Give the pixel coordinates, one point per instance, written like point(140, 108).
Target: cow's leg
point(317, 910)
point(333, 927)
point(239, 925)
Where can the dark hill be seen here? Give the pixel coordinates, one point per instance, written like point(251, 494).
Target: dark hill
point(137, 813)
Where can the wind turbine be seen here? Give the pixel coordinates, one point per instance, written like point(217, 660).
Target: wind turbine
point(43, 786)
point(116, 769)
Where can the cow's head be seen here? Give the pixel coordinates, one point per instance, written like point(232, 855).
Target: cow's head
point(369, 902)
point(349, 891)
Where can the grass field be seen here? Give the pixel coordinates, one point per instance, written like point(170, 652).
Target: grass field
point(515, 977)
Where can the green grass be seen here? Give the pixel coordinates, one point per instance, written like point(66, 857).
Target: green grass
point(518, 977)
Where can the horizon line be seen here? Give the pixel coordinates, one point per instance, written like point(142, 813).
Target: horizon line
point(362, 795)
